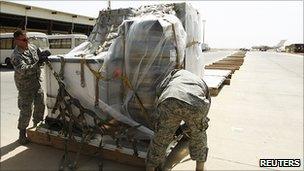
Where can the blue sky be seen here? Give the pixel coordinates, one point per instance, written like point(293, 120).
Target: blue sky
point(229, 24)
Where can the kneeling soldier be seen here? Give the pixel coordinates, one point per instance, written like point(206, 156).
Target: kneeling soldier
point(183, 97)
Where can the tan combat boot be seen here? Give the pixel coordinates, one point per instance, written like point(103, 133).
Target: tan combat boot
point(200, 166)
point(149, 168)
point(35, 124)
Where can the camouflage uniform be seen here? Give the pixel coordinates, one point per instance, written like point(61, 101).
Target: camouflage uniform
point(191, 106)
point(27, 80)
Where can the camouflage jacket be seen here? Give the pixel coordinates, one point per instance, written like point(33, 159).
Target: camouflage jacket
point(27, 68)
point(184, 86)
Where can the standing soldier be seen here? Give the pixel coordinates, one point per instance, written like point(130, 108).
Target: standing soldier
point(183, 97)
point(27, 79)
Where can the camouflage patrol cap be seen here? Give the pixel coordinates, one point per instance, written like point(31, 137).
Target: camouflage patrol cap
point(18, 33)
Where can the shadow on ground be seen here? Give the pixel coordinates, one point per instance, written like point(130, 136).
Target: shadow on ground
point(5, 69)
point(8, 148)
point(39, 157)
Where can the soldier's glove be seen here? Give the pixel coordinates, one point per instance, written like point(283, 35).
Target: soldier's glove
point(43, 55)
point(43, 59)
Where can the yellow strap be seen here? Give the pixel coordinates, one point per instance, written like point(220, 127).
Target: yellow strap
point(82, 80)
point(129, 85)
point(192, 43)
point(97, 74)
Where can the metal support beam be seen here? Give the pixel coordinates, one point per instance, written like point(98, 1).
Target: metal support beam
point(50, 27)
point(109, 4)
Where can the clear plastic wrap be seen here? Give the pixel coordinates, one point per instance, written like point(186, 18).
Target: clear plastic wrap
point(129, 52)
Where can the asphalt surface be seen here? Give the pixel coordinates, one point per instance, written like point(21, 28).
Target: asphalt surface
point(260, 115)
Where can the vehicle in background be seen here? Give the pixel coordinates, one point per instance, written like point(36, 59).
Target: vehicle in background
point(279, 47)
point(7, 45)
point(64, 43)
point(295, 48)
point(204, 47)
point(244, 49)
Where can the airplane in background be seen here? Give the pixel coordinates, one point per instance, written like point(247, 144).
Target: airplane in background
point(279, 47)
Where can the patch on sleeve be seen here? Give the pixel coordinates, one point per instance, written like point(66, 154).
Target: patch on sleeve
point(14, 61)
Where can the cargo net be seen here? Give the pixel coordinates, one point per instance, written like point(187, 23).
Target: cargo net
point(132, 51)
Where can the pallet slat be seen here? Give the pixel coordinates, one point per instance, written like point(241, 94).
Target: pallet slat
point(214, 72)
point(88, 149)
point(221, 68)
point(219, 73)
point(214, 83)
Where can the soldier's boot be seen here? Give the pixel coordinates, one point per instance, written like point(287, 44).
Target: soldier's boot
point(22, 137)
point(200, 166)
point(35, 124)
point(149, 168)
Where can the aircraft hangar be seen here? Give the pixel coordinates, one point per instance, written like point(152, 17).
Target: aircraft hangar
point(17, 16)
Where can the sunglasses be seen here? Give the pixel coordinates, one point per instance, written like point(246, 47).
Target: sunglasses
point(23, 40)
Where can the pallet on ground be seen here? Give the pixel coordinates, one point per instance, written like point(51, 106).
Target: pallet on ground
point(222, 68)
point(214, 72)
point(239, 54)
point(236, 59)
point(225, 65)
point(108, 151)
point(236, 63)
point(227, 81)
point(214, 83)
point(219, 73)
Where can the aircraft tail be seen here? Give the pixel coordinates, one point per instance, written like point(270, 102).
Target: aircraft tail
point(281, 43)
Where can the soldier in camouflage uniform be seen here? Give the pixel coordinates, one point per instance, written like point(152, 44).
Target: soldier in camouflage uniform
point(183, 96)
point(27, 79)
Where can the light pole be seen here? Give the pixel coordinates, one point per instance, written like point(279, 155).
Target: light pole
point(109, 4)
point(204, 23)
point(72, 28)
point(25, 22)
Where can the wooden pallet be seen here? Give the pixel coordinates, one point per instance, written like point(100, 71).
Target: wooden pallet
point(221, 68)
point(228, 62)
point(109, 152)
point(214, 83)
point(232, 58)
point(219, 73)
point(235, 67)
point(214, 72)
point(232, 62)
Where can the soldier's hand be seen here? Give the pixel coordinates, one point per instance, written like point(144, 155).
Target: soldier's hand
point(43, 55)
point(43, 59)
point(46, 53)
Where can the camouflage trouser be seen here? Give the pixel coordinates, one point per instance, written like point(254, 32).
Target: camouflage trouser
point(171, 113)
point(26, 99)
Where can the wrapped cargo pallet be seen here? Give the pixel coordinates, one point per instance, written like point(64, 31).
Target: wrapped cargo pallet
point(115, 73)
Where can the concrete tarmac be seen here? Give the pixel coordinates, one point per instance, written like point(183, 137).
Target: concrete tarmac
point(260, 115)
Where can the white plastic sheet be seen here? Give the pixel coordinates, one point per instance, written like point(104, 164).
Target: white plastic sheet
point(138, 47)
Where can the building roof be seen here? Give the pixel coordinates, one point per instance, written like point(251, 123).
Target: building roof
point(37, 12)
